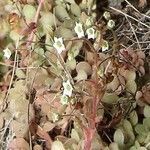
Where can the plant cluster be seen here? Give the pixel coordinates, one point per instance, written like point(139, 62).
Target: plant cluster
point(70, 80)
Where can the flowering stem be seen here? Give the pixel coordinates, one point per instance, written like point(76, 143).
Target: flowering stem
point(98, 92)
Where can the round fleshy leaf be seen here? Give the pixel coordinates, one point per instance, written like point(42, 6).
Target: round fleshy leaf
point(75, 49)
point(146, 123)
point(39, 51)
point(133, 118)
point(119, 137)
point(133, 148)
point(127, 126)
point(61, 13)
point(19, 73)
point(75, 135)
point(64, 33)
point(75, 9)
point(141, 138)
point(29, 12)
point(140, 129)
point(71, 64)
point(82, 75)
point(147, 111)
point(106, 148)
point(128, 132)
point(113, 146)
point(129, 74)
point(48, 20)
point(131, 86)
point(137, 144)
point(57, 145)
point(142, 148)
point(110, 98)
point(14, 35)
point(70, 1)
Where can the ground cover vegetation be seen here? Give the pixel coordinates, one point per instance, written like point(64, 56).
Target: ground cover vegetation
point(74, 75)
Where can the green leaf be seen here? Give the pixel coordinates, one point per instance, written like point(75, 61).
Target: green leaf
point(141, 138)
point(71, 64)
point(14, 35)
point(119, 137)
point(106, 148)
point(110, 98)
point(57, 145)
point(48, 20)
point(147, 139)
point(29, 12)
point(19, 73)
point(75, 9)
point(140, 129)
point(129, 75)
point(70, 1)
point(142, 148)
point(137, 145)
point(146, 123)
point(75, 49)
point(133, 118)
point(147, 111)
point(64, 33)
point(39, 51)
point(113, 146)
point(75, 135)
point(127, 126)
point(131, 86)
point(61, 13)
point(128, 133)
point(133, 148)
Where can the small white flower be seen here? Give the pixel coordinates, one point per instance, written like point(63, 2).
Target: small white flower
point(106, 15)
point(90, 33)
point(67, 88)
point(58, 44)
point(55, 117)
point(7, 53)
point(79, 30)
point(64, 100)
point(110, 24)
point(105, 46)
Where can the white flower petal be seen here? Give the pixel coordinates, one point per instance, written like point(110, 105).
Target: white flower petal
point(67, 88)
point(90, 33)
point(110, 24)
point(64, 99)
point(79, 30)
point(106, 15)
point(58, 44)
point(7, 53)
point(55, 117)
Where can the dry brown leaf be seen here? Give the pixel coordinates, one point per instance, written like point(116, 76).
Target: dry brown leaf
point(13, 20)
point(1, 122)
point(40, 77)
point(18, 144)
point(19, 129)
point(48, 126)
point(146, 93)
point(45, 136)
point(142, 3)
point(37, 147)
point(30, 28)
